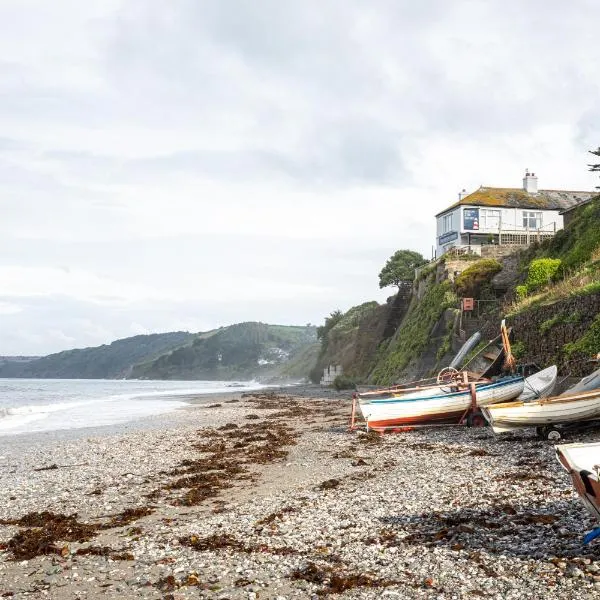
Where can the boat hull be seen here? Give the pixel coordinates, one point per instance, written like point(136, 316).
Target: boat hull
point(550, 411)
point(580, 461)
point(436, 409)
point(539, 385)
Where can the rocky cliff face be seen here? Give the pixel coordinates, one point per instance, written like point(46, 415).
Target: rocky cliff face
point(565, 333)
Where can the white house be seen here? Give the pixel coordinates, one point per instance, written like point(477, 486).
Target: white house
point(502, 216)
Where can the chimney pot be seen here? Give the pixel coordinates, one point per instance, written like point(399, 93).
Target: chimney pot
point(530, 183)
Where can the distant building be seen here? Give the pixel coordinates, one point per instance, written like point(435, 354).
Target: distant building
point(330, 373)
point(504, 216)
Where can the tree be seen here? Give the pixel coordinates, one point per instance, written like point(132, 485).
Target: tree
point(595, 167)
point(330, 322)
point(400, 268)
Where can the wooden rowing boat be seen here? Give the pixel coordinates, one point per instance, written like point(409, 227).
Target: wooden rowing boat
point(427, 407)
point(539, 385)
point(556, 410)
point(582, 462)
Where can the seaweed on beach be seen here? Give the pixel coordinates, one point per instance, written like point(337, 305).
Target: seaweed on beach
point(44, 532)
point(517, 477)
point(105, 551)
point(225, 541)
point(329, 484)
point(370, 438)
point(51, 467)
point(229, 452)
point(333, 581)
point(129, 515)
point(278, 515)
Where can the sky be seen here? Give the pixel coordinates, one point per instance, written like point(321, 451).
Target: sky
point(186, 164)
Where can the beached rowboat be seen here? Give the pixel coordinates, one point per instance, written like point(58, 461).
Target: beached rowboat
point(436, 408)
point(539, 385)
point(582, 461)
point(547, 411)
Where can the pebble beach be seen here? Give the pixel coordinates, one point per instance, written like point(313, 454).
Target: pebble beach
point(268, 495)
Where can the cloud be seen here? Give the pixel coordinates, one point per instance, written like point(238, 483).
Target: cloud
point(192, 164)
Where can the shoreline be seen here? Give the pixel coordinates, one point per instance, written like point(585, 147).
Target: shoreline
point(311, 509)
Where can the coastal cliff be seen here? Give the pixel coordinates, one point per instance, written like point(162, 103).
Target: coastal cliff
point(549, 293)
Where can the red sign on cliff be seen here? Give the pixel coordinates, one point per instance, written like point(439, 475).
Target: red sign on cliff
point(468, 303)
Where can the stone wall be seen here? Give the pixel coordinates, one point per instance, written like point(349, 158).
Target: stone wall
point(499, 252)
point(546, 347)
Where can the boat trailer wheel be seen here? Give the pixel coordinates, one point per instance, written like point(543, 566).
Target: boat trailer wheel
point(476, 419)
point(552, 434)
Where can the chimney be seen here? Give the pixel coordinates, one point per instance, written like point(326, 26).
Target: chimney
point(530, 183)
point(462, 194)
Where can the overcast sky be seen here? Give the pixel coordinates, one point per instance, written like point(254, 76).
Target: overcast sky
point(184, 164)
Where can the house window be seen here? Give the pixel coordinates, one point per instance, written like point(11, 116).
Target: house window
point(490, 219)
point(532, 220)
point(447, 223)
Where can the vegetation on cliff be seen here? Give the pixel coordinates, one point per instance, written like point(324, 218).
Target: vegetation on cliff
point(414, 334)
point(557, 308)
point(566, 265)
point(400, 268)
point(472, 281)
point(340, 342)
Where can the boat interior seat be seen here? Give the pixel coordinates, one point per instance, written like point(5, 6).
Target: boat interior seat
point(586, 481)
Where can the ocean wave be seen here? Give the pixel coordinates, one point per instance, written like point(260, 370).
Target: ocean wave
point(33, 409)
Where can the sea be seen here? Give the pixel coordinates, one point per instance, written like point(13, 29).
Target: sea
point(36, 405)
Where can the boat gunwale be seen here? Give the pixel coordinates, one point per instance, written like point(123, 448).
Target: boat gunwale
point(466, 390)
point(552, 400)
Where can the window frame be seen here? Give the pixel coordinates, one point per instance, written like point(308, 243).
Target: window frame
point(488, 213)
point(447, 223)
point(528, 216)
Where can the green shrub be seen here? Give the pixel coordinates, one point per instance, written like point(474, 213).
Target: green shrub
point(541, 272)
point(471, 280)
point(341, 382)
point(521, 292)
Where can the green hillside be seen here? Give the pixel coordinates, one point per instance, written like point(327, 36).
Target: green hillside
point(241, 351)
point(109, 361)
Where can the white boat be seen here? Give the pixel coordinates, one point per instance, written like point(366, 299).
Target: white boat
point(547, 411)
point(587, 384)
point(582, 461)
point(539, 385)
point(428, 408)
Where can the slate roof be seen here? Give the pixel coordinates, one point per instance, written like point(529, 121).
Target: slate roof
point(519, 198)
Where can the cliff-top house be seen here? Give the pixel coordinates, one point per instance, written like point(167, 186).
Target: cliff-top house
point(504, 216)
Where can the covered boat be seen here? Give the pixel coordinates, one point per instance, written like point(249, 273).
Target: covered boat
point(539, 385)
point(573, 408)
point(437, 408)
